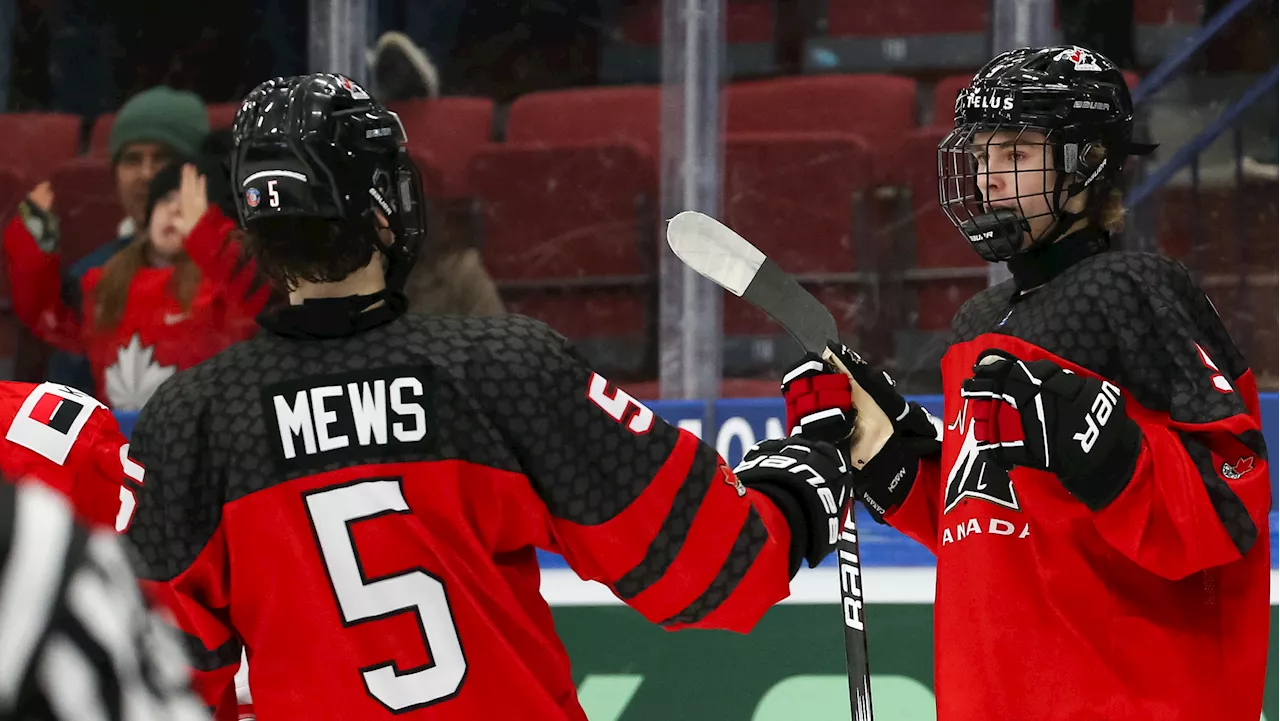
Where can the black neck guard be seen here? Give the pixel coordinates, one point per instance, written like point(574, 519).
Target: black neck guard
point(1039, 265)
point(321, 318)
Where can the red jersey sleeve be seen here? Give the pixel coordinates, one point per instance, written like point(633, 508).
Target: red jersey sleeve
point(917, 516)
point(638, 505)
point(71, 441)
point(35, 286)
point(1200, 493)
point(107, 479)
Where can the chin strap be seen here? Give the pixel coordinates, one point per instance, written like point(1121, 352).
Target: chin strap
point(997, 236)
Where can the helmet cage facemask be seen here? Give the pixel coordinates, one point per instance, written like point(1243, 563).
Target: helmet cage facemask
point(997, 233)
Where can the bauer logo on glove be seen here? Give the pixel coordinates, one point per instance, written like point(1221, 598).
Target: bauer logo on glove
point(809, 482)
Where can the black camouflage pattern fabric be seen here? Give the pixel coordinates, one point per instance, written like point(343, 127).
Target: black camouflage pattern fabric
point(508, 393)
point(1233, 513)
point(1135, 319)
point(666, 545)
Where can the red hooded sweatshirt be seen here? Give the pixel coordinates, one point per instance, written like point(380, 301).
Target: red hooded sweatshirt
point(156, 336)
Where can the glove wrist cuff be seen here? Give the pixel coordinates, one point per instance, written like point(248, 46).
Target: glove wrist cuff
point(883, 484)
point(792, 510)
point(1101, 485)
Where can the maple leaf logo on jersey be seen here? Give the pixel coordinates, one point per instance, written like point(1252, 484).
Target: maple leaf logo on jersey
point(1234, 471)
point(728, 477)
point(972, 476)
point(135, 376)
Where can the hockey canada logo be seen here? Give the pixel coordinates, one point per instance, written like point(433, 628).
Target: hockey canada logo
point(1081, 58)
point(973, 477)
point(357, 92)
point(1234, 471)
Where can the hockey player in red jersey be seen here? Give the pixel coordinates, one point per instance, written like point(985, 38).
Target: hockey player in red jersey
point(69, 440)
point(355, 495)
point(1098, 497)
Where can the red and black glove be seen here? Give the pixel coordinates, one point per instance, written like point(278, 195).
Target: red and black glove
point(1040, 415)
point(820, 406)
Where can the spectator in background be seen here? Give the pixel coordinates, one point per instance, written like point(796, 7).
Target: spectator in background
point(156, 127)
point(173, 295)
point(429, 27)
point(402, 70)
point(449, 277)
point(452, 281)
point(152, 129)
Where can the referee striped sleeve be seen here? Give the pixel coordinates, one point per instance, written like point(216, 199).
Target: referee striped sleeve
point(93, 650)
point(37, 537)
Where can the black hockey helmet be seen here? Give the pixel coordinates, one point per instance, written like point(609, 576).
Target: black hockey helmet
point(1078, 100)
point(319, 146)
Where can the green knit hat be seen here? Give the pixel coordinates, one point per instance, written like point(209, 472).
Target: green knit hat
point(175, 118)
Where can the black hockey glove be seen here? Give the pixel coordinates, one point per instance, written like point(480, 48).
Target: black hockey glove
point(808, 481)
point(1040, 415)
point(819, 405)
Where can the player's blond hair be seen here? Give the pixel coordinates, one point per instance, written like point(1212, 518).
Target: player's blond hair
point(1110, 215)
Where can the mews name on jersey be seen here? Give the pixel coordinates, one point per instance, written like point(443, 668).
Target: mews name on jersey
point(347, 416)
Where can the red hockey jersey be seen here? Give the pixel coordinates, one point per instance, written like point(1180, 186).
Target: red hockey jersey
point(1155, 607)
point(361, 513)
point(70, 441)
point(156, 336)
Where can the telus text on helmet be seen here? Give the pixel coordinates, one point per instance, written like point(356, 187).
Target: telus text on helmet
point(984, 101)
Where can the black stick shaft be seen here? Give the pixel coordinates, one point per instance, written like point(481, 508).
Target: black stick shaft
point(853, 611)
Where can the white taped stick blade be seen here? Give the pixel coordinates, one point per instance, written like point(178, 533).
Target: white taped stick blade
point(714, 251)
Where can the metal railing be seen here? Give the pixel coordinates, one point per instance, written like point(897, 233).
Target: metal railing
point(1165, 71)
point(1189, 153)
point(1233, 286)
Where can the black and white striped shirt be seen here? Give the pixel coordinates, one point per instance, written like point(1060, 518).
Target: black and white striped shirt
point(76, 638)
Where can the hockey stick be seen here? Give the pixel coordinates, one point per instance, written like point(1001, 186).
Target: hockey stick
point(728, 260)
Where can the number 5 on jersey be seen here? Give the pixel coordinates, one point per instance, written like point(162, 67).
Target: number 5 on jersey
point(134, 474)
point(620, 404)
point(361, 600)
